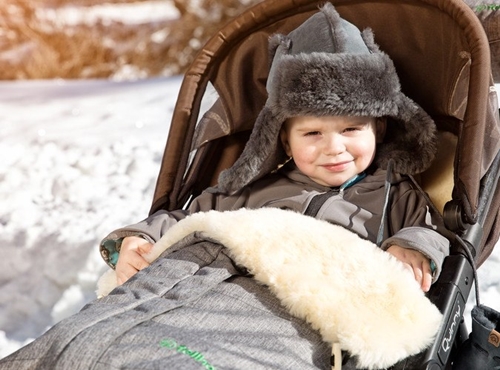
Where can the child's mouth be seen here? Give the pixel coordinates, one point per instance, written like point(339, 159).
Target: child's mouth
point(336, 167)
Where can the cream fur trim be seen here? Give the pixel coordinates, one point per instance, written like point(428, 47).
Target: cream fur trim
point(344, 286)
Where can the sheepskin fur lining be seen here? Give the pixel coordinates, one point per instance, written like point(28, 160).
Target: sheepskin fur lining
point(345, 287)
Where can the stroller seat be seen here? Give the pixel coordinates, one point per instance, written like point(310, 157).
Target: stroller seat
point(442, 57)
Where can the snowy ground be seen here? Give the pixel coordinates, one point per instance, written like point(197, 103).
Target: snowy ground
point(78, 160)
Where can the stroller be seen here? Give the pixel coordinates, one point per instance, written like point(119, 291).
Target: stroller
point(190, 303)
point(442, 57)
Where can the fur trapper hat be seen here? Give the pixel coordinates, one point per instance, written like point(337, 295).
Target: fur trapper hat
point(327, 67)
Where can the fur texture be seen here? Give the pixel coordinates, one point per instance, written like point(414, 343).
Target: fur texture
point(328, 67)
point(345, 287)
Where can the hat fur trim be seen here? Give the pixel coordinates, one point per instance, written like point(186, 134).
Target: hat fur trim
point(321, 84)
point(262, 154)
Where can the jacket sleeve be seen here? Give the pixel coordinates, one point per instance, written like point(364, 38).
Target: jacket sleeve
point(155, 226)
point(426, 241)
point(415, 225)
point(152, 228)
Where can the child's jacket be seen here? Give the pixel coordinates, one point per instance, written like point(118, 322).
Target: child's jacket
point(358, 208)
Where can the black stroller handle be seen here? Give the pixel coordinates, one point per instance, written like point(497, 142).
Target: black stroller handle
point(450, 293)
point(454, 215)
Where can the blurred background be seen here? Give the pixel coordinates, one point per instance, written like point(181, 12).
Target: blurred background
point(41, 39)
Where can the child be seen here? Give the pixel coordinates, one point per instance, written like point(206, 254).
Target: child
point(331, 96)
point(336, 116)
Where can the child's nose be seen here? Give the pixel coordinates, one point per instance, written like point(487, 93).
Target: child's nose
point(334, 145)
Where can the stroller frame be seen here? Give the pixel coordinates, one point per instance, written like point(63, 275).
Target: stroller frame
point(466, 105)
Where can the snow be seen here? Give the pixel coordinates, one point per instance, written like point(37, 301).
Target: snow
point(130, 13)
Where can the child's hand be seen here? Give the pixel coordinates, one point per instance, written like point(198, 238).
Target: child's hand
point(131, 260)
point(415, 262)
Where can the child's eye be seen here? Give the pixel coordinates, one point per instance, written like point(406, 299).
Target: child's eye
point(352, 129)
point(312, 133)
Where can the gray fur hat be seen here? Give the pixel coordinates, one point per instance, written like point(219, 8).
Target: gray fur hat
point(324, 67)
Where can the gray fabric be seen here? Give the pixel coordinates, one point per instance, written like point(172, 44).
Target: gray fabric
point(192, 310)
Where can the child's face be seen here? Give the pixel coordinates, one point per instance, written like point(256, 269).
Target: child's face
point(331, 150)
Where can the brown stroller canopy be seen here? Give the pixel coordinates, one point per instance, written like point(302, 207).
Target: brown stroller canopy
point(441, 54)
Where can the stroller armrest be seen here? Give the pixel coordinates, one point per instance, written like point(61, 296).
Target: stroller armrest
point(449, 294)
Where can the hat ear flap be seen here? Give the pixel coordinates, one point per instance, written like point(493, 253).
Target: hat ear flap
point(369, 39)
point(279, 45)
point(276, 41)
point(263, 153)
